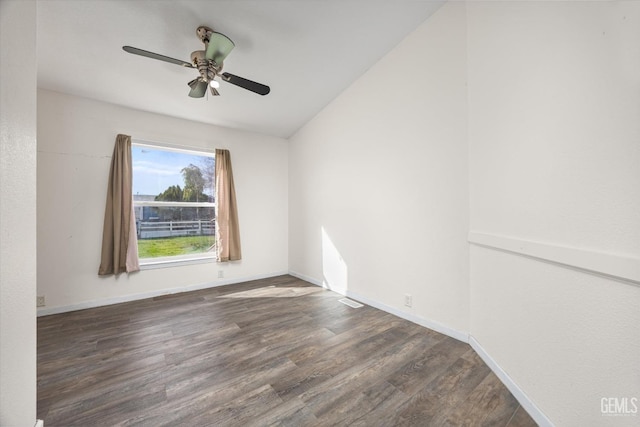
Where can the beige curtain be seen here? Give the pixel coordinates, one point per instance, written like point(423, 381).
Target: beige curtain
point(227, 228)
point(119, 244)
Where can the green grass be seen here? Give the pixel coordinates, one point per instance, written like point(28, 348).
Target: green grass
point(171, 246)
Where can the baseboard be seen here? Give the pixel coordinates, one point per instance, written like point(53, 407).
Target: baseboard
point(39, 423)
point(307, 278)
point(427, 323)
point(535, 412)
point(134, 297)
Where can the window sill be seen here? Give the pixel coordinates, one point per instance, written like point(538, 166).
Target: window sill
point(166, 263)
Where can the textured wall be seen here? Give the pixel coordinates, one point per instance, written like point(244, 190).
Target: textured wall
point(17, 213)
point(554, 137)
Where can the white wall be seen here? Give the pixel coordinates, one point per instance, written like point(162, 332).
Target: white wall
point(554, 136)
point(75, 143)
point(17, 213)
point(378, 202)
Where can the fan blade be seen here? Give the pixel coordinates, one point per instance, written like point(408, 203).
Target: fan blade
point(198, 88)
point(152, 55)
point(258, 88)
point(218, 48)
point(214, 92)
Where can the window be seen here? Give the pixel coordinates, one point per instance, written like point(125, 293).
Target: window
point(173, 199)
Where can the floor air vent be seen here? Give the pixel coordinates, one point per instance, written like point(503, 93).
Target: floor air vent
point(350, 303)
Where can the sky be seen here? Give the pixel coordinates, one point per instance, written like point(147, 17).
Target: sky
point(155, 170)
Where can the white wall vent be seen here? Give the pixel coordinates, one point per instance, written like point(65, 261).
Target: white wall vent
point(350, 303)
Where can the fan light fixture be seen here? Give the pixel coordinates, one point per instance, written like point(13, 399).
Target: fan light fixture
point(214, 84)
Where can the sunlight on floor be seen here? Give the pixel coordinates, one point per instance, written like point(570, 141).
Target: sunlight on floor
point(276, 292)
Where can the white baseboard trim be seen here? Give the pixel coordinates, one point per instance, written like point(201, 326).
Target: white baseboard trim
point(535, 412)
point(614, 266)
point(427, 323)
point(39, 423)
point(438, 327)
point(306, 278)
point(144, 295)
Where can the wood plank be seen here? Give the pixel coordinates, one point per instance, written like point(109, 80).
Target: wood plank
point(419, 371)
point(521, 419)
point(450, 388)
point(489, 404)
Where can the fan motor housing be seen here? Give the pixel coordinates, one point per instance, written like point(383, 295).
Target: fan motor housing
point(207, 69)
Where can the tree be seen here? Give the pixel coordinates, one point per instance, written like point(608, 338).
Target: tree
point(194, 183)
point(171, 194)
point(208, 168)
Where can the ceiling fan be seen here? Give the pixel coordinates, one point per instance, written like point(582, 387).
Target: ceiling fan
point(209, 63)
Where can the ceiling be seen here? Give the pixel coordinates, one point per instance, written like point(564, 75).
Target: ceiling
point(307, 51)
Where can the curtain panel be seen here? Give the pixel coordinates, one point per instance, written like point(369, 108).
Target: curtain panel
point(119, 243)
point(227, 227)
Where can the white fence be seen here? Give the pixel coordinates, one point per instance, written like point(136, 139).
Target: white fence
point(151, 230)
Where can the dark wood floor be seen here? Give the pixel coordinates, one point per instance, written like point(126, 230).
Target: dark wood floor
point(277, 351)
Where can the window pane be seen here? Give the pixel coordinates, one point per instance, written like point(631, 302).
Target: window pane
point(171, 231)
point(173, 176)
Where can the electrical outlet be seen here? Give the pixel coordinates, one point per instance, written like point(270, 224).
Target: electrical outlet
point(40, 301)
point(408, 300)
point(220, 274)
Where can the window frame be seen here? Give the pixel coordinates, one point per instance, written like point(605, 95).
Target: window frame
point(174, 260)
